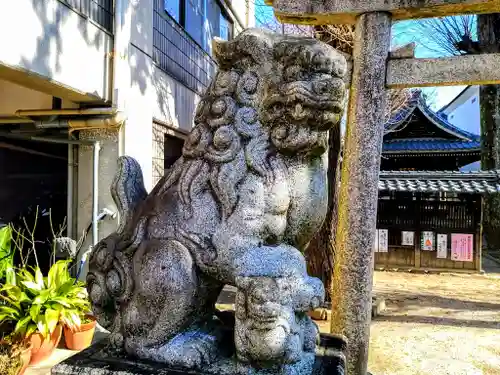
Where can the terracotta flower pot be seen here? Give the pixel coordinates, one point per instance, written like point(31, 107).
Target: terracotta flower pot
point(80, 338)
point(43, 347)
point(25, 358)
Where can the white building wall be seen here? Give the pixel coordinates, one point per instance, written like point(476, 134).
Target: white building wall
point(48, 46)
point(176, 103)
point(48, 39)
point(464, 112)
point(241, 7)
point(154, 94)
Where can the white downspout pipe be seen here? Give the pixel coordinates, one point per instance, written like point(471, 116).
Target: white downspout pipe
point(95, 192)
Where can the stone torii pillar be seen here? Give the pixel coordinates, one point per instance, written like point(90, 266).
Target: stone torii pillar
point(355, 235)
point(372, 72)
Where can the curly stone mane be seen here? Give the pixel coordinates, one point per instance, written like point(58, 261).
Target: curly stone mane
point(228, 137)
point(267, 110)
point(240, 123)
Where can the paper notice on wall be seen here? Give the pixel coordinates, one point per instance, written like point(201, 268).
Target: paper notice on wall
point(383, 240)
point(407, 238)
point(427, 241)
point(375, 244)
point(442, 246)
point(462, 247)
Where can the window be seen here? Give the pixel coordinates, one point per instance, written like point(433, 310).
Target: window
point(195, 14)
point(226, 28)
point(173, 8)
point(202, 24)
point(172, 151)
point(219, 24)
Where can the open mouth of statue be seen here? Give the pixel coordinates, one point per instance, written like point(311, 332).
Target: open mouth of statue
point(318, 119)
point(321, 119)
point(300, 105)
point(299, 95)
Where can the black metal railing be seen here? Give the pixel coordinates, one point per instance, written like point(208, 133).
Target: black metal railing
point(178, 54)
point(99, 11)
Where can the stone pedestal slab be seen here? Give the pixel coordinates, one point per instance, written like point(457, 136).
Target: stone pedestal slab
point(99, 360)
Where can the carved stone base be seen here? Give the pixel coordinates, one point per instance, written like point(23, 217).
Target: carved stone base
point(98, 360)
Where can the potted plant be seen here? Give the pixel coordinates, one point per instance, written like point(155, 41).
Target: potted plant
point(79, 324)
point(15, 355)
point(6, 251)
point(78, 334)
point(37, 305)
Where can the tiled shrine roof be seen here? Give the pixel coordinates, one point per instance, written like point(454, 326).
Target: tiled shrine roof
point(463, 142)
point(477, 182)
point(430, 145)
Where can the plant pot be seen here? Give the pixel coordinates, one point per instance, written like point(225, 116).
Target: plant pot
point(80, 338)
point(24, 355)
point(25, 358)
point(43, 347)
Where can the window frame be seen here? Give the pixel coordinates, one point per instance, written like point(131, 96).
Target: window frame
point(229, 20)
point(182, 19)
point(182, 12)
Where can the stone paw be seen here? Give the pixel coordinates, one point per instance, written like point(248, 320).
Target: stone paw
point(191, 350)
point(188, 350)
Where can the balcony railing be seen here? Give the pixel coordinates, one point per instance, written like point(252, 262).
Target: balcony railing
point(99, 11)
point(178, 54)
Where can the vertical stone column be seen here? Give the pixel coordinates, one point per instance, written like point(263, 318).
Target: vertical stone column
point(357, 216)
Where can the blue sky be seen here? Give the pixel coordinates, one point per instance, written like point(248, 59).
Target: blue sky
point(403, 32)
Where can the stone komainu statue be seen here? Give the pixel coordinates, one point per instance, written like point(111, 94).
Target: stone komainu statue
point(237, 208)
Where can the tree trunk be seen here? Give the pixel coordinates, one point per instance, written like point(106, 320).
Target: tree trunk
point(489, 38)
point(319, 253)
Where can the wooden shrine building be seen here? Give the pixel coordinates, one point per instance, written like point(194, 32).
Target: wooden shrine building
point(430, 212)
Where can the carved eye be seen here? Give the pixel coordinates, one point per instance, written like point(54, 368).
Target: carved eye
point(294, 73)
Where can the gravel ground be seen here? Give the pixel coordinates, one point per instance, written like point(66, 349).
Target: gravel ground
point(434, 325)
point(437, 324)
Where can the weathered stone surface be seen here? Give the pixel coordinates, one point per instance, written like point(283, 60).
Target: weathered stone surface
point(237, 208)
point(447, 71)
point(345, 11)
point(99, 360)
point(402, 52)
point(357, 212)
point(406, 51)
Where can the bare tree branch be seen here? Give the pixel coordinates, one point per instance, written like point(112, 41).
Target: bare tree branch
point(449, 35)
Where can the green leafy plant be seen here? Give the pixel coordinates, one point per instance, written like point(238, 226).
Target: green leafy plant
point(6, 251)
point(37, 304)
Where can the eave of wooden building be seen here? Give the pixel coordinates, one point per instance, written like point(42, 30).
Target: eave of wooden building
point(416, 131)
point(477, 182)
point(417, 101)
